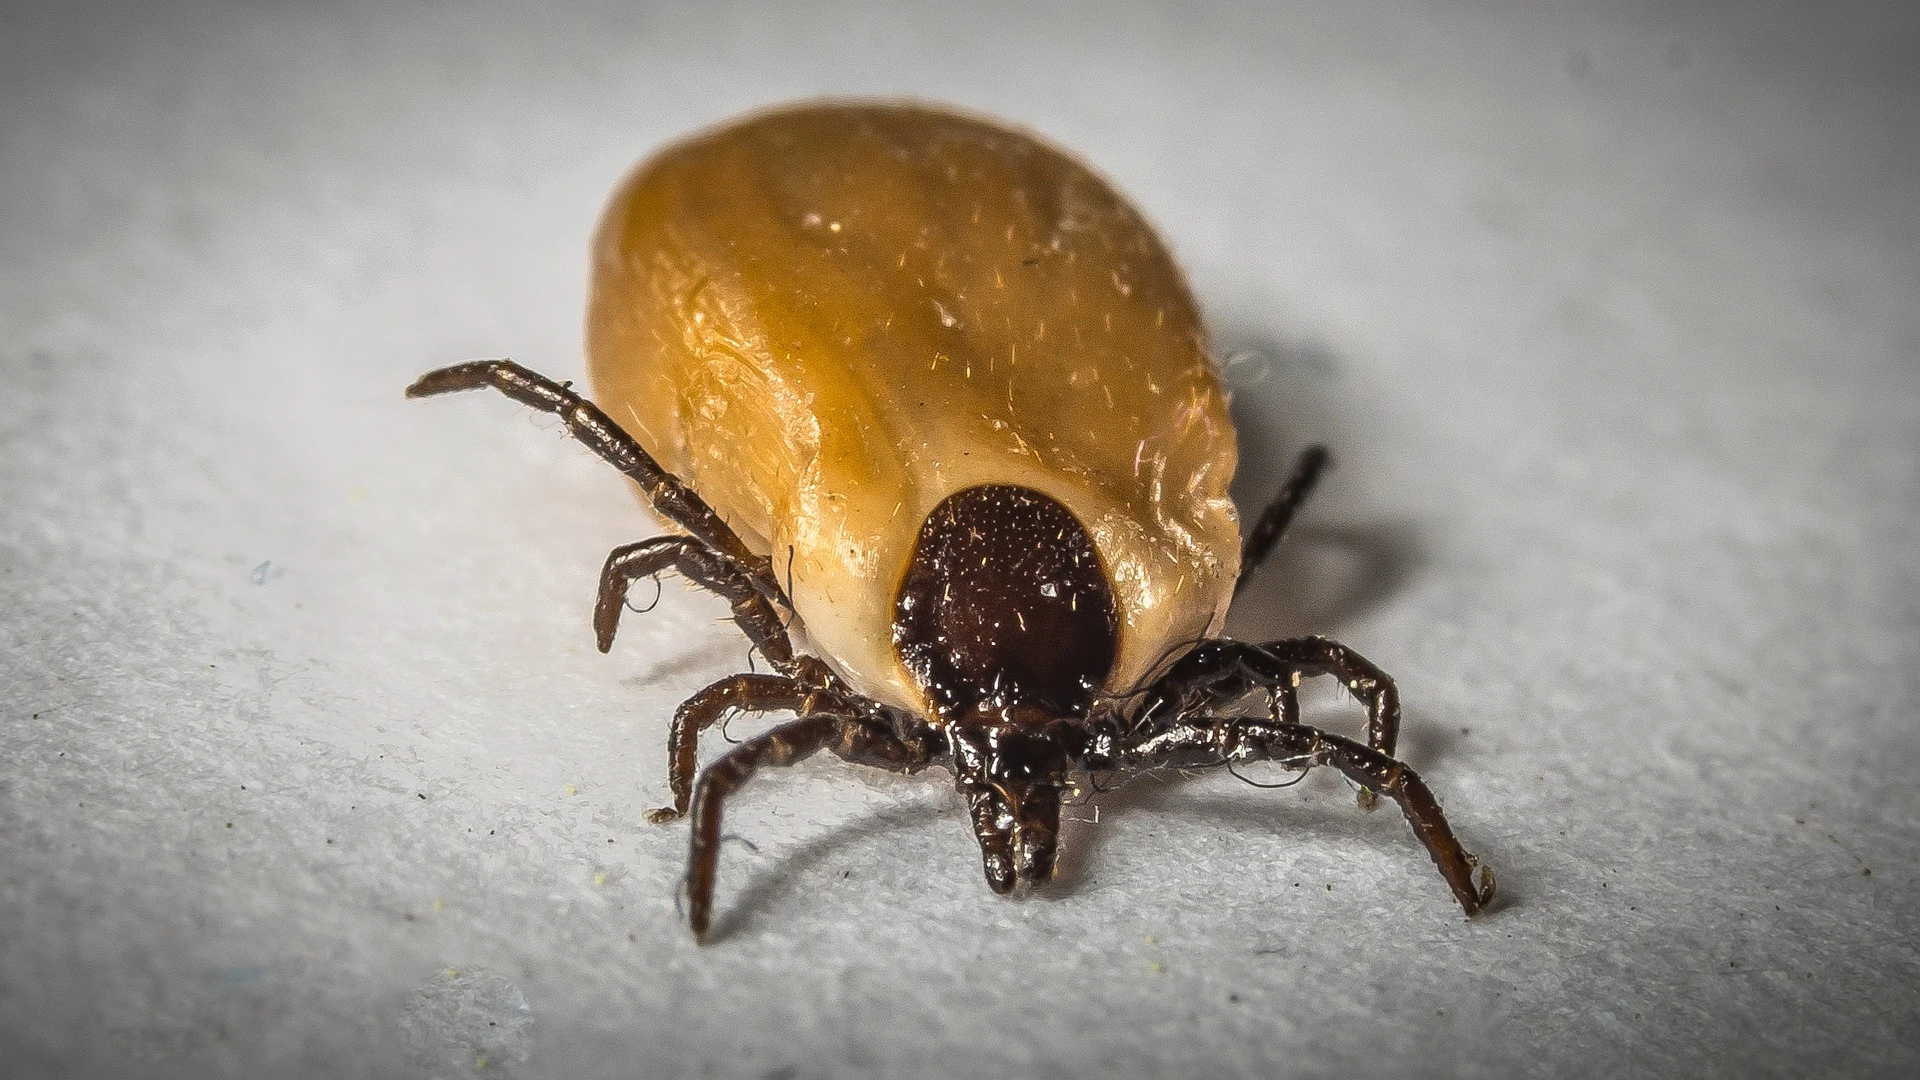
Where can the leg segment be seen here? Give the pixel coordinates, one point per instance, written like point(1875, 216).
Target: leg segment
point(811, 688)
point(791, 742)
point(1216, 673)
point(1274, 520)
point(1310, 656)
point(749, 693)
point(672, 499)
point(705, 566)
point(1204, 741)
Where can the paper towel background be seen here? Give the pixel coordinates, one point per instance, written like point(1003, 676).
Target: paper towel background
point(308, 766)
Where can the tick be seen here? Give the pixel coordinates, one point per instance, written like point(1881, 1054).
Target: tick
point(930, 405)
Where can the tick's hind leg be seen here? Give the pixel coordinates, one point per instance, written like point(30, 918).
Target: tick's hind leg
point(1202, 741)
point(669, 497)
point(1273, 521)
point(854, 739)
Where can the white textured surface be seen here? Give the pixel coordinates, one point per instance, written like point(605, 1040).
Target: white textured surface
point(1609, 312)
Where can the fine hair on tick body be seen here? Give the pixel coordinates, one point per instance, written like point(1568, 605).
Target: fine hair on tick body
point(958, 385)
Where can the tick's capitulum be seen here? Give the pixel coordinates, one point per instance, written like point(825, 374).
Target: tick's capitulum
point(929, 390)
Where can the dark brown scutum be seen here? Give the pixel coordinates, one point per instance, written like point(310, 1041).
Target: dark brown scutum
point(1005, 603)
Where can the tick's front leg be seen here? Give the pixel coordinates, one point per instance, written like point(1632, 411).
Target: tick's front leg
point(791, 742)
point(852, 738)
point(1216, 673)
point(747, 693)
point(1210, 739)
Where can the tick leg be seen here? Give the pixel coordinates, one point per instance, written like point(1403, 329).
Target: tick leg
point(1273, 521)
point(864, 742)
point(748, 693)
point(1216, 673)
point(705, 566)
point(1198, 742)
point(670, 498)
point(791, 742)
point(1310, 656)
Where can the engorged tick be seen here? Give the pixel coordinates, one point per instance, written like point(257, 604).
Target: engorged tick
point(969, 438)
